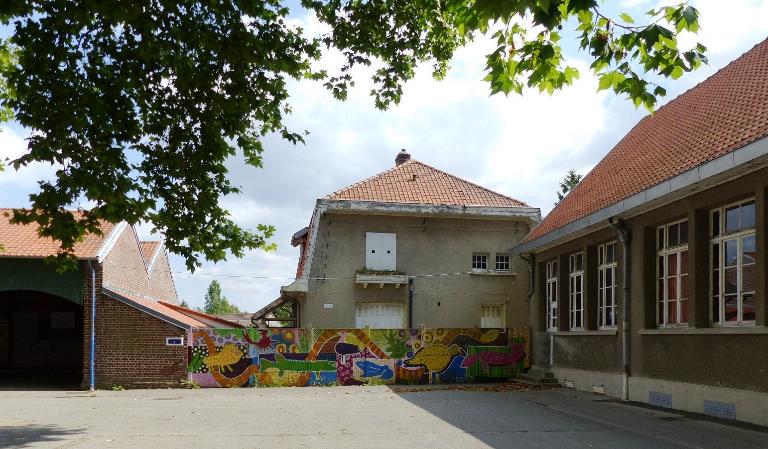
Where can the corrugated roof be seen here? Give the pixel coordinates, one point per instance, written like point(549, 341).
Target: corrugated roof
point(415, 182)
point(24, 241)
point(723, 113)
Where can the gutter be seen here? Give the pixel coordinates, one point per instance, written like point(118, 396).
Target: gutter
point(625, 236)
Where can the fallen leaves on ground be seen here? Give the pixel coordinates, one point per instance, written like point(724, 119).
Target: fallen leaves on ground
point(496, 387)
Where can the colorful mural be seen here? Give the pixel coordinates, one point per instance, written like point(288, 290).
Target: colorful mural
point(305, 357)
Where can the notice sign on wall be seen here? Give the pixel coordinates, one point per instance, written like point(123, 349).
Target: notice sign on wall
point(174, 341)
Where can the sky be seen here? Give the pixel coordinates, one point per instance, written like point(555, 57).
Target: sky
point(520, 146)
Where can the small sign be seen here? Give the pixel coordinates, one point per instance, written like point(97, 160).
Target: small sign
point(327, 306)
point(174, 341)
point(568, 383)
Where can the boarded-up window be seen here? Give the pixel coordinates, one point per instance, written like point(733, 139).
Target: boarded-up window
point(378, 315)
point(380, 251)
point(492, 315)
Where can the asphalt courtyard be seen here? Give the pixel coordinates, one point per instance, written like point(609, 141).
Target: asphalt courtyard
point(355, 417)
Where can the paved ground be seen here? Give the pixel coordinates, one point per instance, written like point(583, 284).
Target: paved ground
point(359, 417)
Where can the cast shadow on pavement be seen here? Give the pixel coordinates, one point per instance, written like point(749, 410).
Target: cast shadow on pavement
point(33, 435)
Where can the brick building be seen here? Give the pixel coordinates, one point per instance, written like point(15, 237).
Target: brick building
point(140, 332)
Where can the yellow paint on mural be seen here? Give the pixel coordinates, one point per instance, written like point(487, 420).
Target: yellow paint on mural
point(224, 359)
point(435, 357)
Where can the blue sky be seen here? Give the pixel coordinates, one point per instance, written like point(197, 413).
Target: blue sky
point(518, 145)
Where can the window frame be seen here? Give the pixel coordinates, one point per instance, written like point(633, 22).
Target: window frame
point(720, 241)
point(509, 262)
point(573, 275)
point(485, 256)
point(664, 252)
point(502, 310)
point(603, 267)
point(552, 294)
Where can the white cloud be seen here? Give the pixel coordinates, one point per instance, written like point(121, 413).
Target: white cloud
point(12, 146)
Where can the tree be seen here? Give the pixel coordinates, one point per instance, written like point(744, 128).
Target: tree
point(216, 303)
point(568, 183)
point(184, 304)
point(138, 104)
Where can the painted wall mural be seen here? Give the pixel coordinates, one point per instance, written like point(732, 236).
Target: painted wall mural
point(305, 357)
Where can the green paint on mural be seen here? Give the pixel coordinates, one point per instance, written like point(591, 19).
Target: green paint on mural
point(195, 363)
point(282, 364)
point(395, 346)
point(238, 333)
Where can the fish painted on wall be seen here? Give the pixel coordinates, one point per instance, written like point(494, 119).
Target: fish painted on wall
point(435, 357)
point(371, 369)
point(493, 358)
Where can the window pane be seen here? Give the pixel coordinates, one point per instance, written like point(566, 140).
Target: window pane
point(611, 253)
point(747, 212)
point(732, 219)
point(579, 261)
point(731, 252)
point(673, 236)
point(672, 288)
point(715, 256)
point(683, 312)
point(684, 286)
point(716, 223)
point(609, 281)
point(748, 307)
point(672, 312)
point(684, 262)
point(748, 278)
point(731, 280)
point(716, 309)
point(660, 238)
point(661, 289)
point(554, 269)
point(684, 232)
point(661, 266)
point(672, 264)
point(660, 311)
point(716, 282)
point(731, 308)
point(748, 249)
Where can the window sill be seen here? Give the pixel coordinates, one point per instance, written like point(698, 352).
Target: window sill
point(603, 332)
point(492, 273)
point(742, 330)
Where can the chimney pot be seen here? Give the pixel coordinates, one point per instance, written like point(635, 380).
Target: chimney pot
point(402, 157)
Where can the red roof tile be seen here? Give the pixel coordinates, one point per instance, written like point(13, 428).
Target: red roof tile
point(148, 250)
point(723, 113)
point(24, 241)
point(155, 306)
point(417, 183)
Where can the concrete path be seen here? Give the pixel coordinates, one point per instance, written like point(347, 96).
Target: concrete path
point(354, 417)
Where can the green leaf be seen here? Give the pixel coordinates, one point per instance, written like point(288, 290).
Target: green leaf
point(626, 18)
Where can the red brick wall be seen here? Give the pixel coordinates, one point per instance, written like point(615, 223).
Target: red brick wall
point(130, 344)
point(161, 284)
point(124, 267)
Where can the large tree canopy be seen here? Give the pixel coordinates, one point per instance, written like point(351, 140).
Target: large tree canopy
point(139, 103)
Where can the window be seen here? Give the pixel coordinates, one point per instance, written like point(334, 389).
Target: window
point(576, 290)
point(672, 274)
point(502, 262)
point(552, 295)
point(378, 315)
point(479, 261)
point(492, 315)
point(734, 274)
point(606, 285)
point(380, 251)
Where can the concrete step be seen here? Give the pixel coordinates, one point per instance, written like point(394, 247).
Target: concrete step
point(537, 376)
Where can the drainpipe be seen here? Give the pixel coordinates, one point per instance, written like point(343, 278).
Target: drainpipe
point(625, 237)
point(410, 303)
point(93, 327)
point(531, 259)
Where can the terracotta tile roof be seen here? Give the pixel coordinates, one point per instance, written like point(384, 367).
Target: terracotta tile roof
point(417, 183)
point(157, 307)
point(148, 250)
point(196, 313)
point(723, 113)
point(23, 240)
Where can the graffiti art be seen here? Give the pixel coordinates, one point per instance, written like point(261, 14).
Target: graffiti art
point(305, 357)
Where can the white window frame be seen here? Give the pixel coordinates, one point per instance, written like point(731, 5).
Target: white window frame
point(720, 240)
point(474, 261)
point(502, 310)
point(576, 276)
point(552, 294)
point(663, 251)
point(603, 268)
point(508, 262)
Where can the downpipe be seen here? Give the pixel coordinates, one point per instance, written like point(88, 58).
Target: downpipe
point(91, 362)
point(625, 237)
point(410, 303)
